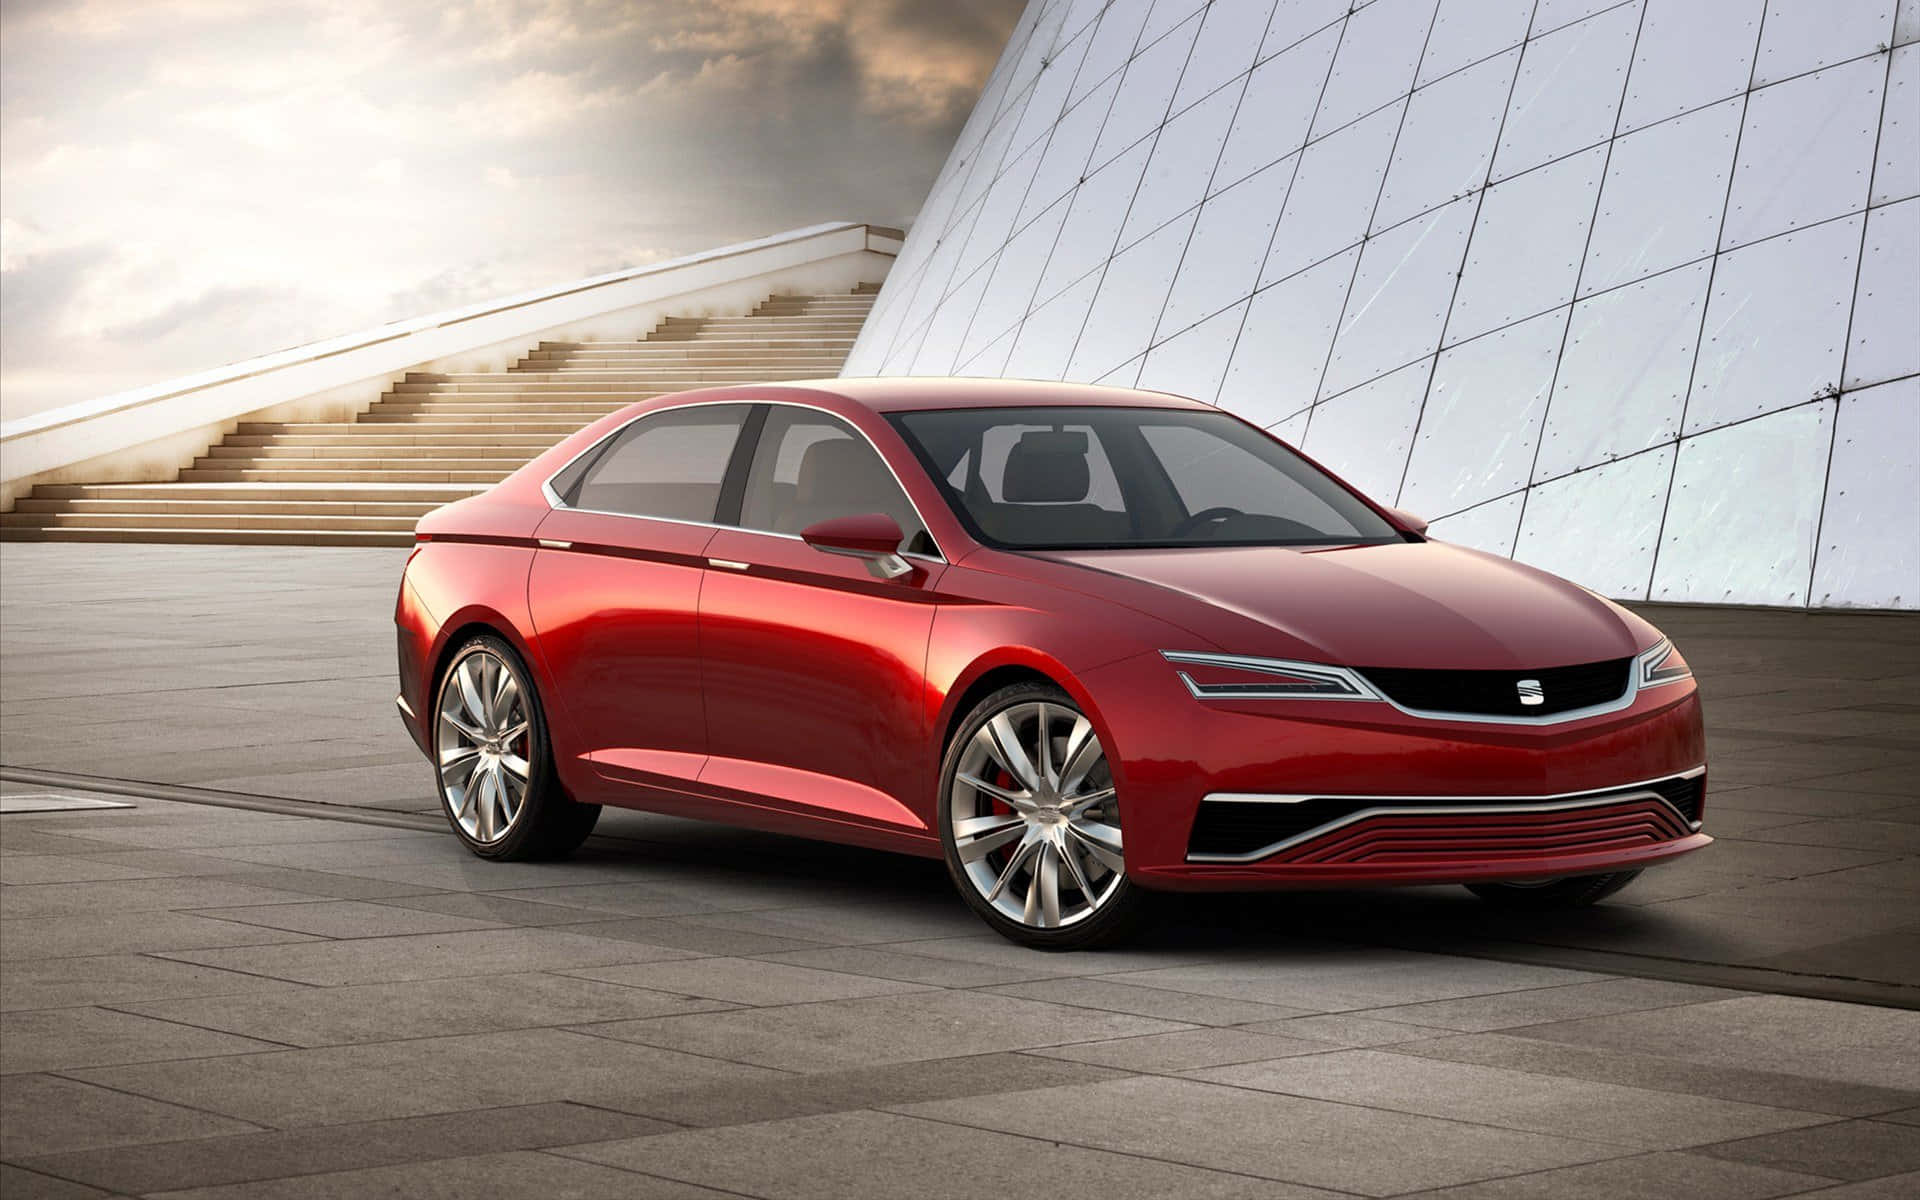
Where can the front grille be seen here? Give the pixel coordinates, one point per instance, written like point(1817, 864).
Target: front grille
point(1237, 828)
point(1497, 693)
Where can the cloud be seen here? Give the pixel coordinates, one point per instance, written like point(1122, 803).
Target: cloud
point(188, 182)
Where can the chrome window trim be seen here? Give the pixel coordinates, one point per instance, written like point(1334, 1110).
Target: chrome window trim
point(558, 505)
point(1447, 806)
point(1367, 691)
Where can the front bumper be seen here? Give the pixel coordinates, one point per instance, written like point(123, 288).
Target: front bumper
point(1299, 793)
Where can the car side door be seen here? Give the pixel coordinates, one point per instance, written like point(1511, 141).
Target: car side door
point(614, 594)
point(813, 664)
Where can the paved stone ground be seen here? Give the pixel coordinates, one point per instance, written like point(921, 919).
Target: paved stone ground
point(270, 671)
point(205, 1002)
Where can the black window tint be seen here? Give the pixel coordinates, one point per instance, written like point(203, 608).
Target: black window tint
point(811, 467)
point(670, 465)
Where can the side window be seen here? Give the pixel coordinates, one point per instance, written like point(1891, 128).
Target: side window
point(811, 467)
point(670, 465)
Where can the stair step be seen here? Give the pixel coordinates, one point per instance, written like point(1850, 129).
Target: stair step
point(398, 523)
point(336, 476)
point(237, 537)
point(375, 435)
point(359, 448)
point(411, 510)
point(303, 492)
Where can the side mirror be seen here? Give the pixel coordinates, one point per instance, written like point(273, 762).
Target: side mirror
point(872, 537)
point(1409, 522)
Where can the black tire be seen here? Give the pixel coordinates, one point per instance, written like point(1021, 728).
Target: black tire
point(1116, 917)
point(548, 823)
point(1577, 891)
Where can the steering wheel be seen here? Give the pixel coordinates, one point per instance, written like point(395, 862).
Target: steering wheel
point(1206, 516)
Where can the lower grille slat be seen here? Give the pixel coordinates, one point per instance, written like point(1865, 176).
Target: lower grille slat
point(1351, 829)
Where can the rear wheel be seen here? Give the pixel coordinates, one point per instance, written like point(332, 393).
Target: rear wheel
point(493, 762)
point(1575, 892)
point(1030, 822)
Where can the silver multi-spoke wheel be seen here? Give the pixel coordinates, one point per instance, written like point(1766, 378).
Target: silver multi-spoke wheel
point(484, 745)
point(1034, 821)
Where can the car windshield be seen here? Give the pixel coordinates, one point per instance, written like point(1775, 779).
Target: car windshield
point(1107, 477)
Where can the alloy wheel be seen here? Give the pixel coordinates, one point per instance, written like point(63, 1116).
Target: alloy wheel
point(484, 744)
point(1034, 816)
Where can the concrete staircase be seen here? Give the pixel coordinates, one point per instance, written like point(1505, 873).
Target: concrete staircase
point(432, 439)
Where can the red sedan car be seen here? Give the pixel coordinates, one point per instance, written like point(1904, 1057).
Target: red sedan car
point(1083, 643)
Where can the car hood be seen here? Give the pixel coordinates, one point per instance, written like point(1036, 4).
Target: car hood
point(1422, 604)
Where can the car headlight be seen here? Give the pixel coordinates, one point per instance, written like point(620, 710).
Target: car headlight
point(1232, 677)
point(1662, 664)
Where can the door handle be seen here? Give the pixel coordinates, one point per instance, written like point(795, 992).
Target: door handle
point(729, 564)
point(555, 544)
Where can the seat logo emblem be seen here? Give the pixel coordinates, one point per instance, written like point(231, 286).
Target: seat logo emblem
point(1531, 692)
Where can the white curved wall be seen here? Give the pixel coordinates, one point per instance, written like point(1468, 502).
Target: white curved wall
point(1627, 290)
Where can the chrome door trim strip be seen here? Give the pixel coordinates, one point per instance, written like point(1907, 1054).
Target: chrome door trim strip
point(1442, 805)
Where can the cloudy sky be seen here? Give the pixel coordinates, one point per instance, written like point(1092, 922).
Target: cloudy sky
point(189, 182)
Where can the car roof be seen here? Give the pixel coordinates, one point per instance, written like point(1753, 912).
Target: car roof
point(908, 394)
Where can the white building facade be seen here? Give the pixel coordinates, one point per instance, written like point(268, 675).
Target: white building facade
point(1629, 291)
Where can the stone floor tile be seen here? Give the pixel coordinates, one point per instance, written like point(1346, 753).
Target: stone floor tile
point(43, 1114)
point(116, 979)
point(246, 1157)
point(395, 848)
point(694, 940)
point(1819, 1039)
point(345, 919)
point(1336, 980)
point(1480, 1014)
point(337, 1084)
point(1897, 952)
point(132, 895)
point(880, 1029)
point(764, 1099)
point(851, 925)
point(493, 909)
point(1888, 1187)
point(381, 1012)
point(1660, 1176)
point(481, 1177)
point(331, 885)
point(469, 874)
point(18, 1183)
point(806, 1158)
point(886, 962)
point(1661, 1071)
point(1841, 1150)
point(427, 956)
point(127, 933)
point(1312, 1142)
point(59, 1039)
point(1351, 1030)
point(747, 981)
point(1108, 994)
point(1184, 1050)
point(1511, 1099)
point(17, 869)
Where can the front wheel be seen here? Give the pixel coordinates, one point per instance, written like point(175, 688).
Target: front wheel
point(1575, 892)
point(1030, 823)
point(493, 762)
